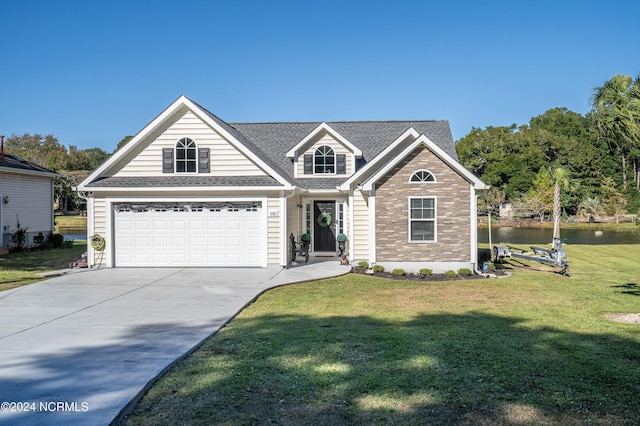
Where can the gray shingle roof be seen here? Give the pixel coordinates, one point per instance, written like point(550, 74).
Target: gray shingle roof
point(187, 180)
point(14, 162)
point(271, 141)
point(274, 140)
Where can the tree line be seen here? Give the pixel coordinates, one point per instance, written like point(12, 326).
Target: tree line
point(73, 164)
point(594, 159)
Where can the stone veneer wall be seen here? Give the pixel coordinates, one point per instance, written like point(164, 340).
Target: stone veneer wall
point(453, 212)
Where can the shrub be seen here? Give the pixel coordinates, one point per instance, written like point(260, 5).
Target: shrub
point(56, 240)
point(378, 268)
point(450, 274)
point(19, 238)
point(465, 272)
point(398, 272)
point(484, 255)
point(425, 271)
point(39, 241)
point(363, 264)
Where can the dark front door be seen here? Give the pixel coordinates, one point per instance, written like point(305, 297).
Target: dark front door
point(324, 217)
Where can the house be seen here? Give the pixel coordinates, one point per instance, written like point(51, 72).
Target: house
point(26, 198)
point(193, 190)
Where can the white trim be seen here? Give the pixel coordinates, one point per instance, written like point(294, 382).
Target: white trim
point(181, 102)
point(473, 225)
point(350, 234)
point(90, 227)
point(11, 170)
point(144, 189)
point(410, 132)
point(372, 227)
point(435, 219)
point(110, 224)
point(335, 162)
point(420, 182)
point(292, 153)
point(446, 158)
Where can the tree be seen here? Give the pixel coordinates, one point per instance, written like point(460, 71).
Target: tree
point(491, 200)
point(78, 159)
point(123, 142)
point(45, 151)
point(65, 196)
point(613, 201)
point(616, 115)
point(590, 208)
point(560, 179)
point(97, 156)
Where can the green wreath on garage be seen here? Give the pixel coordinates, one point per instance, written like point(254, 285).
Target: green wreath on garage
point(324, 219)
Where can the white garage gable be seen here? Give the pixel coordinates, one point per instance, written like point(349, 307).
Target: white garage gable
point(190, 234)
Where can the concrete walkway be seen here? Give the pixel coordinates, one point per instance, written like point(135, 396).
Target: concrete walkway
point(78, 349)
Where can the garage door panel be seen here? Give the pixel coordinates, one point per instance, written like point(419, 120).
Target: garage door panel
point(190, 238)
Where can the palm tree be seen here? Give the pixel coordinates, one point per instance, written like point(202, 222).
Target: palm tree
point(616, 108)
point(591, 208)
point(560, 178)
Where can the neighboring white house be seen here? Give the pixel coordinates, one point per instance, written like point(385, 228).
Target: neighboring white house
point(192, 190)
point(26, 198)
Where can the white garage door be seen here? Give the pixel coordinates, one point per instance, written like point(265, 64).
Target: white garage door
point(193, 234)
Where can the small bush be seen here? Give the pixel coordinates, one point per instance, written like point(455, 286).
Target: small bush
point(484, 255)
point(39, 241)
point(450, 274)
point(425, 271)
point(363, 264)
point(19, 238)
point(56, 240)
point(464, 272)
point(378, 268)
point(398, 272)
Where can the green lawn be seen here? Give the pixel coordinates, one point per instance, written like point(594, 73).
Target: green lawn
point(526, 350)
point(17, 269)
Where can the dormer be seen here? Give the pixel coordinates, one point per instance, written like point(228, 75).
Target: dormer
point(324, 153)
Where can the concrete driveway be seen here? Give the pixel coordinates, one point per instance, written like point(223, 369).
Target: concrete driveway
point(80, 348)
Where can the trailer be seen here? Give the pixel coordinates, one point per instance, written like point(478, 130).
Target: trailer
point(555, 256)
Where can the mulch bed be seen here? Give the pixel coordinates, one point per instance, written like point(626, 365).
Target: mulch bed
point(417, 277)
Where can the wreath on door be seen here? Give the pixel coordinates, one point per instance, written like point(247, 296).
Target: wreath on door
point(324, 219)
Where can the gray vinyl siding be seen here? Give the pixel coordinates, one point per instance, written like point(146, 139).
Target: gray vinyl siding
point(30, 202)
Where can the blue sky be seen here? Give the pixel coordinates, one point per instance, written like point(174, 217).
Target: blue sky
point(92, 72)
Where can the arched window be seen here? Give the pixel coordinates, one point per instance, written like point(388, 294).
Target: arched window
point(186, 156)
point(324, 160)
point(422, 176)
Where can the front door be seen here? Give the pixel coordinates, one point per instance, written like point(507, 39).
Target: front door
point(324, 216)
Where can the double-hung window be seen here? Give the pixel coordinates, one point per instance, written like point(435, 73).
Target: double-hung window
point(422, 219)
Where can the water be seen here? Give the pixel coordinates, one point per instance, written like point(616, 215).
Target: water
point(570, 236)
point(73, 233)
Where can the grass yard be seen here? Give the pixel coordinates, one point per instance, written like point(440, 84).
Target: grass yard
point(527, 350)
point(18, 269)
point(71, 221)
